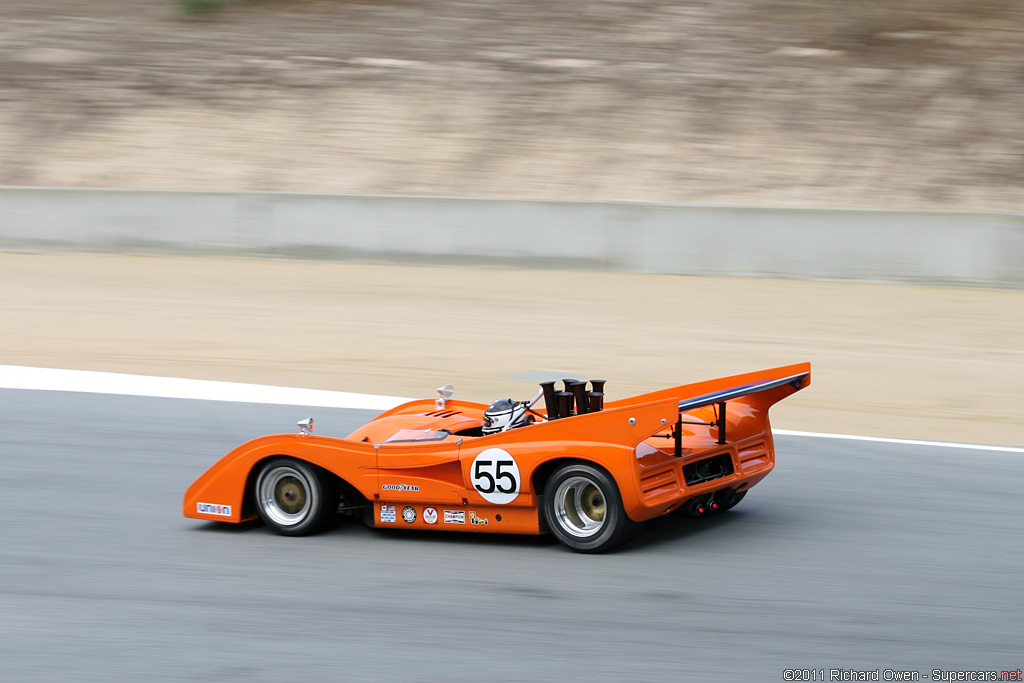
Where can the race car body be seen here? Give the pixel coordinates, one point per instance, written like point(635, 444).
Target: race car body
point(587, 471)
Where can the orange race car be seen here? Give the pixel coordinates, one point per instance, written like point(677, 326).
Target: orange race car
point(590, 473)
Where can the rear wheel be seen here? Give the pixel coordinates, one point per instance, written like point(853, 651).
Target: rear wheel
point(295, 498)
point(584, 511)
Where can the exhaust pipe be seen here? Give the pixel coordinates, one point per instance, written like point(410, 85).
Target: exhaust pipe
point(701, 505)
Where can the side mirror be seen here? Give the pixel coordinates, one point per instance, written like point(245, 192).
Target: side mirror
point(446, 392)
point(306, 426)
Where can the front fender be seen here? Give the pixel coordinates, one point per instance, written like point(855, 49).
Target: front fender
point(218, 494)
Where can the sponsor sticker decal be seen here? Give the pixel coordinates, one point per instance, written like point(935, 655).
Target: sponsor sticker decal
point(388, 514)
point(399, 487)
point(211, 509)
point(473, 519)
point(430, 515)
point(454, 516)
point(409, 514)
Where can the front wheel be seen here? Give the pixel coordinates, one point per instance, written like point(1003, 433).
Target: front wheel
point(583, 508)
point(294, 498)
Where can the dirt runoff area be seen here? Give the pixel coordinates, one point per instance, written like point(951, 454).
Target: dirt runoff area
point(900, 361)
point(912, 104)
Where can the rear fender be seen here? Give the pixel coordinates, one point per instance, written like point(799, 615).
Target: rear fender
point(607, 439)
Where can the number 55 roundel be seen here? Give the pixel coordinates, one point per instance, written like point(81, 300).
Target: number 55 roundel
point(495, 476)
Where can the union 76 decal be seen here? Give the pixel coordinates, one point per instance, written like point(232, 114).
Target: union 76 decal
point(495, 476)
point(213, 509)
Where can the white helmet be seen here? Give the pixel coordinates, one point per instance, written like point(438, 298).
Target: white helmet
point(504, 415)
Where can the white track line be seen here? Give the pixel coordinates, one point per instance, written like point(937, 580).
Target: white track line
point(907, 442)
point(48, 379)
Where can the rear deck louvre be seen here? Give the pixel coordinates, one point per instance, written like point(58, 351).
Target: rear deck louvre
point(752, 451)
point(659, 483)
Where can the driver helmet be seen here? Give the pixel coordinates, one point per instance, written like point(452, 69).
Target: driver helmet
point(503, 415)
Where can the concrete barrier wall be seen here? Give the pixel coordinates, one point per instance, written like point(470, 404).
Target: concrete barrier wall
point(903, 246)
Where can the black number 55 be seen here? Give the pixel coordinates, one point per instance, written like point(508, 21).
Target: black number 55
point(489, 475)
point(480, 473)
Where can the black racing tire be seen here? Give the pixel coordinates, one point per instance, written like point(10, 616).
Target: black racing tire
point(295, 498)
point(727, 499)
point(583, 509)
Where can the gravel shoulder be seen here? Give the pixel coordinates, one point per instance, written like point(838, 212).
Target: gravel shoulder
point(900, 361)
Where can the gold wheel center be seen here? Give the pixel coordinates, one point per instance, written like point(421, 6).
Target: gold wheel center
point(290, 495)
point(593, 503)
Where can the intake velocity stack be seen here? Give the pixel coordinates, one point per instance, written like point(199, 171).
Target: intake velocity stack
point(550, 402)
point(595, 397)
point(579, 395)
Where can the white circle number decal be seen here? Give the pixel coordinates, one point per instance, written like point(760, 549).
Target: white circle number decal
point(495, 476)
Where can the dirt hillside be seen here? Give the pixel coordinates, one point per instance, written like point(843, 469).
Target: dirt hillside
point(816, 102)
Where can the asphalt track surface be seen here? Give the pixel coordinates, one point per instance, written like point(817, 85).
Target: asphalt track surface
point(850, 555)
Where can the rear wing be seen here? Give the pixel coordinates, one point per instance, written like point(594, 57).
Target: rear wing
point(720, 398)
point(797, 381)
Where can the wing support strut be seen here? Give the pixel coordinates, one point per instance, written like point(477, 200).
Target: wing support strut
point(718, 399)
